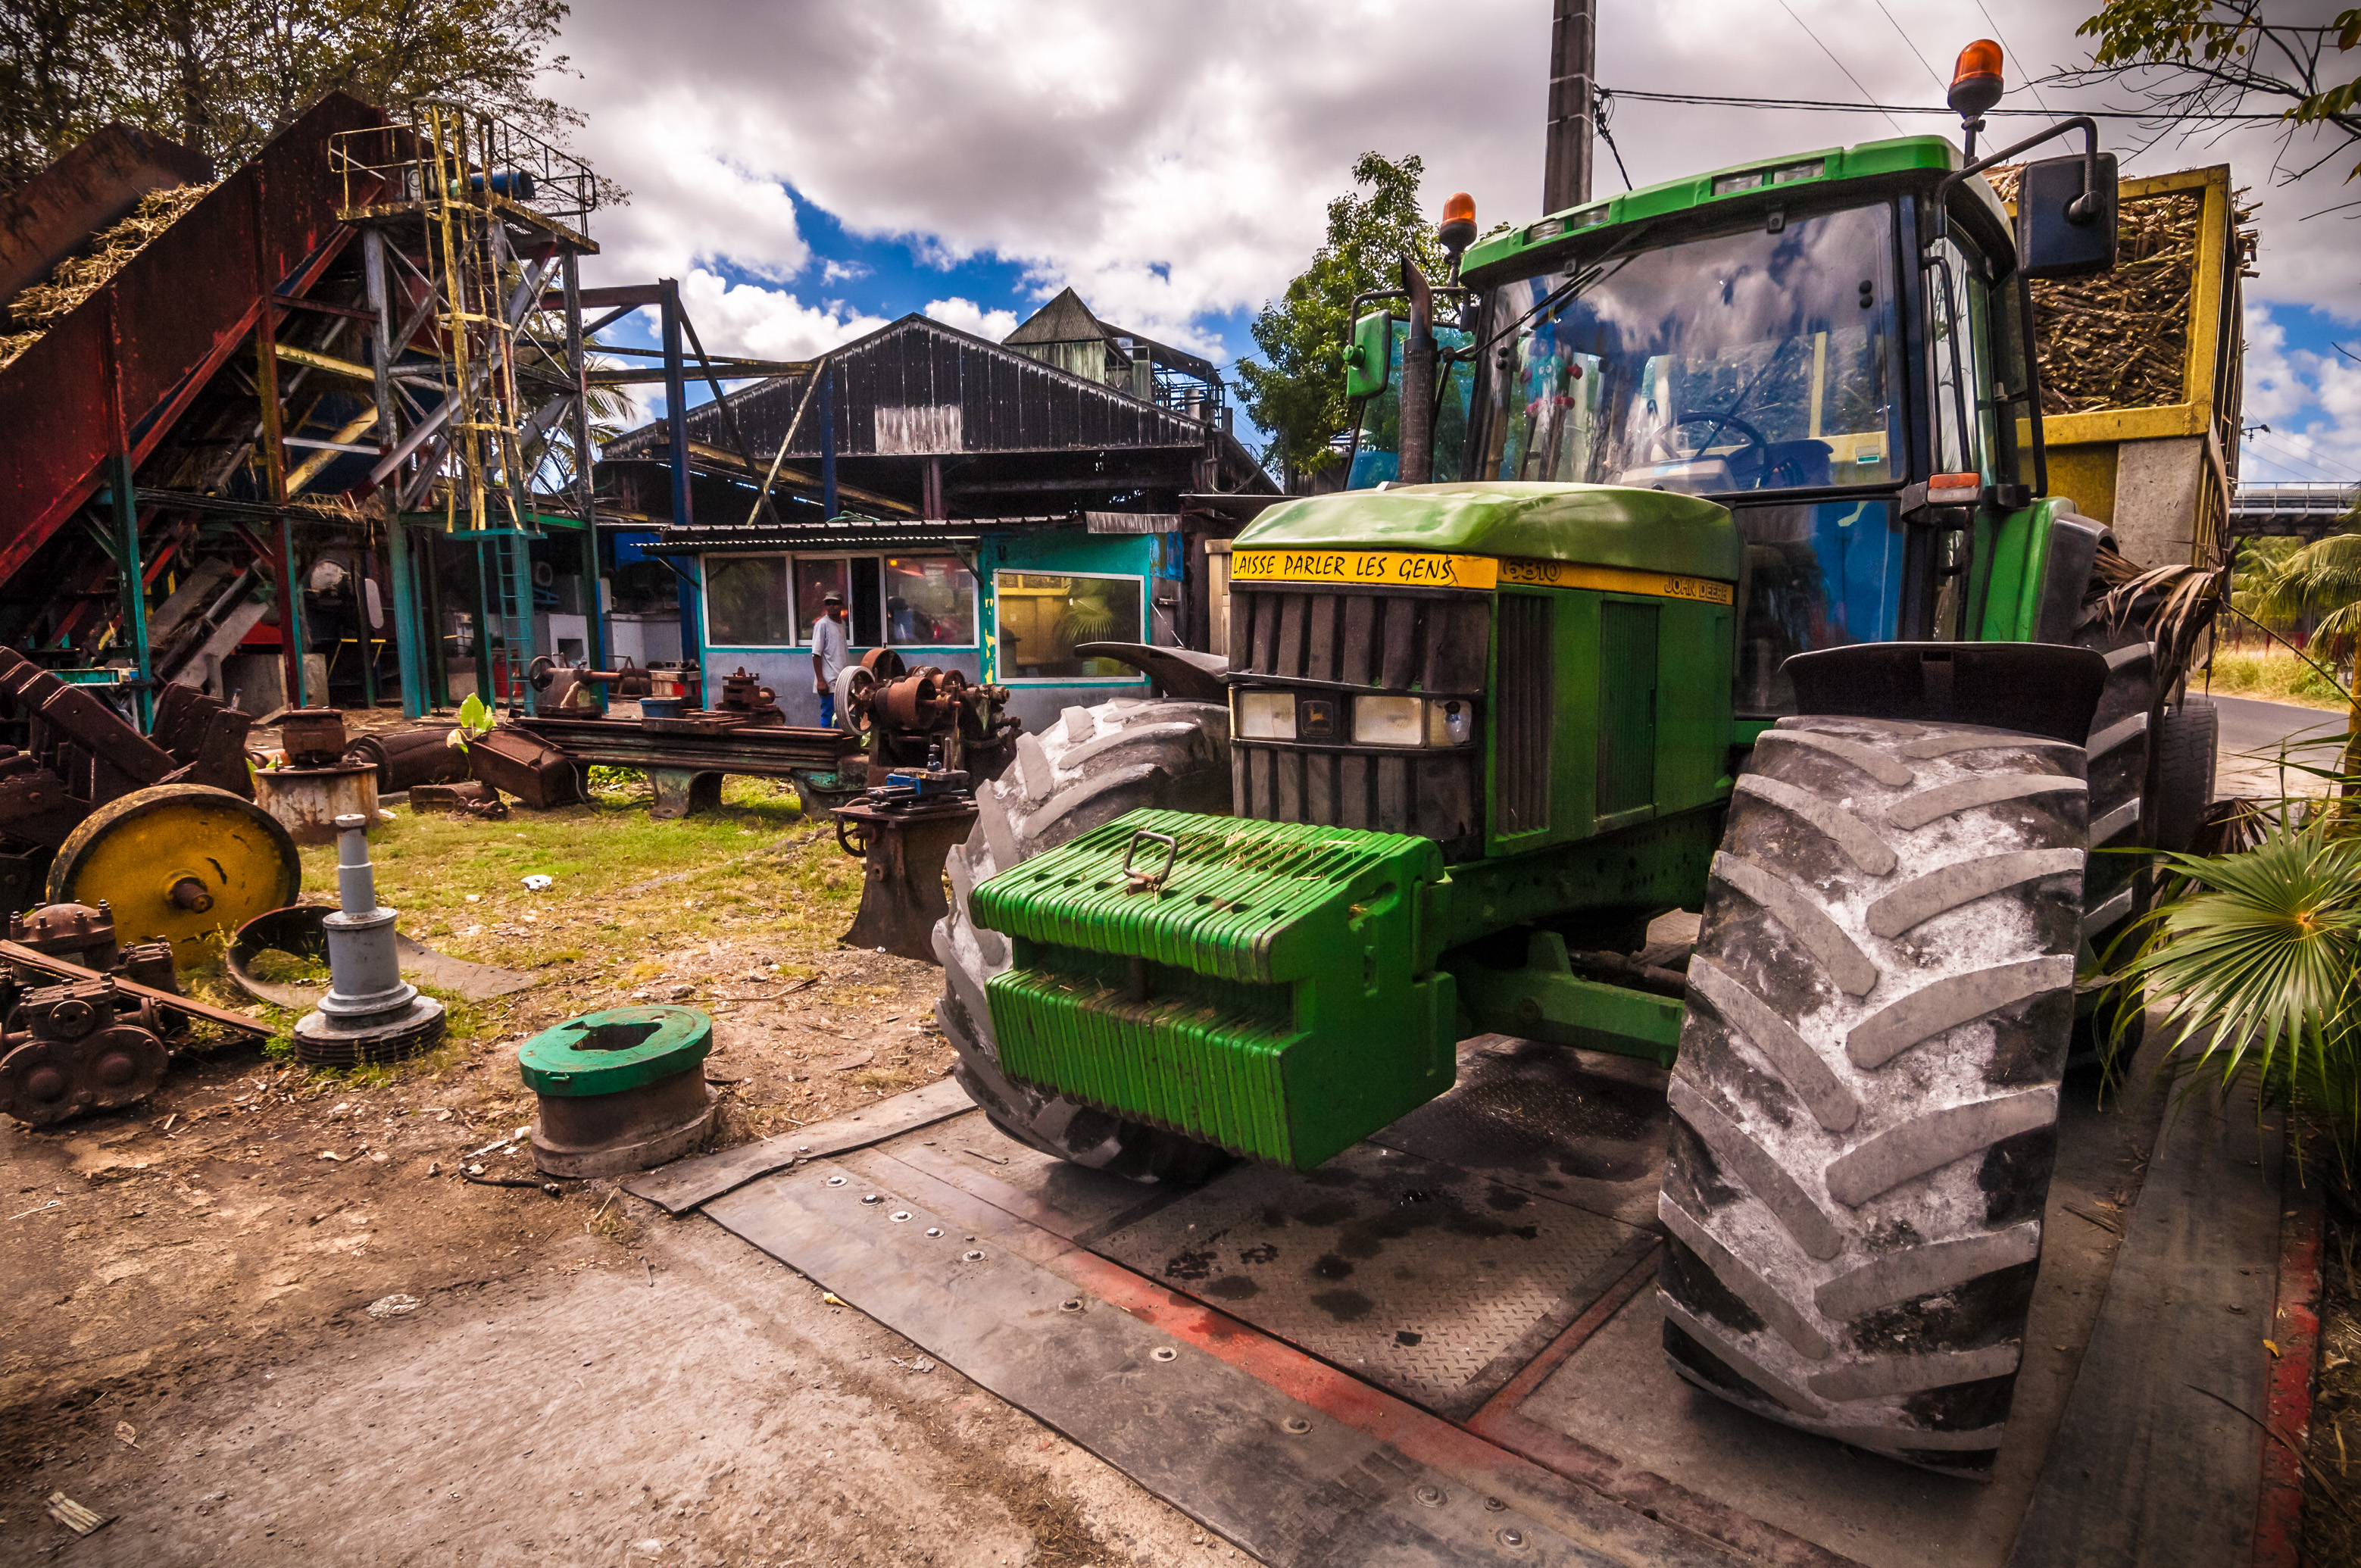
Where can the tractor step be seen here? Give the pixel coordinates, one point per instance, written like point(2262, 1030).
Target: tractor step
point(1252, 984)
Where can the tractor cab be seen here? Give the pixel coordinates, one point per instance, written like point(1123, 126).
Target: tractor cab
point(1825, 344)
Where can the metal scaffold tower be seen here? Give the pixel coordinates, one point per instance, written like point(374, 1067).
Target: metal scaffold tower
point(482, 412)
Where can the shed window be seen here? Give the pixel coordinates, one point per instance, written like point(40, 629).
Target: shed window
point(1042, 617)
point(929, 602)
point(746, 602)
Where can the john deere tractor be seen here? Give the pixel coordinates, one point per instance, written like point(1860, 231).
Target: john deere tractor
point(1715, 570)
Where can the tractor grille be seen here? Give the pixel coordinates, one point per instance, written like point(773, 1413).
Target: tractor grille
point(1333, 645)
point(1520, 783)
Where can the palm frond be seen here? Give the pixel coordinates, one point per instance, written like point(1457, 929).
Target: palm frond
point(2255, 970)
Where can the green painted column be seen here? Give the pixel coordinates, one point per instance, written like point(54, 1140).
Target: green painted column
point(120, 482)
point(410, 630)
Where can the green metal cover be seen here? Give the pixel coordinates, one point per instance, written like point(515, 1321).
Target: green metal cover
point(1900, 155)
point(623, 1048)
point(1590, 525)
point(1263, 997)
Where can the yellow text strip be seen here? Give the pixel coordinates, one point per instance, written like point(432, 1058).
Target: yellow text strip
point(1364, 568)
point(1615, 580)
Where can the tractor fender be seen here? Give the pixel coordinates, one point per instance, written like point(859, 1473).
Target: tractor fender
point(2036, 688)
point(1184, 673)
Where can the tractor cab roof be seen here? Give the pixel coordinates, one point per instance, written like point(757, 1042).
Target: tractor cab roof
point(1593, 525)
point(1747, 186)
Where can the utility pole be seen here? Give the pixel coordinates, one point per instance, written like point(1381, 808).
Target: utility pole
point(1573, 67)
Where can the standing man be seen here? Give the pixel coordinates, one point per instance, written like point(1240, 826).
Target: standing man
point(828, 654)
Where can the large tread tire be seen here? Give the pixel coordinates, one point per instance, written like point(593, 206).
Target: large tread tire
point(1866, 1099)
point(2186, 745)
point(1088, 768)
point(2117, 758)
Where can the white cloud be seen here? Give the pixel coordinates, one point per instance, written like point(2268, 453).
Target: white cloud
point(1172, 158)
point(971, 317)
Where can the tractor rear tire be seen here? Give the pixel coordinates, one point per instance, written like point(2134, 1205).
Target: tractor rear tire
point(1088, 768)
point(1865, 1103)
point(2187, 745)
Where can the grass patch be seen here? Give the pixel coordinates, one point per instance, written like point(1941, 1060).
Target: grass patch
point(622, 883)
point(2273, 676)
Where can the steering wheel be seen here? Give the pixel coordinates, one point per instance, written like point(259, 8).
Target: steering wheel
point(1757, 441)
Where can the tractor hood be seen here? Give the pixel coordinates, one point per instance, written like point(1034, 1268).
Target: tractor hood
point(1591, 525)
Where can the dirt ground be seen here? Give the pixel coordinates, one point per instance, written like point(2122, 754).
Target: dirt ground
point(191, 1347)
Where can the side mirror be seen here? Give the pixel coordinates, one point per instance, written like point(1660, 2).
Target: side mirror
point(1368, 358)
point(2058, 235)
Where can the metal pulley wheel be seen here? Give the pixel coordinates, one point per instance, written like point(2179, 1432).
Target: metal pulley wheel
point(916, 701)
point(176, 863)
point(856, 695)
point(883, 663)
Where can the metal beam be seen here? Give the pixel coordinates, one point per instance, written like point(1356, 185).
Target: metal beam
point(409, 642)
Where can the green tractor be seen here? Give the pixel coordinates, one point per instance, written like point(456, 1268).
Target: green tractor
point(1733, 587)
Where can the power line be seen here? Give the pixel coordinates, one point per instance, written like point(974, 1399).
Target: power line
point(2012, 52)
point(2290, 456)
point(1825, 50)
point(1939, 84)
point(1828, 105)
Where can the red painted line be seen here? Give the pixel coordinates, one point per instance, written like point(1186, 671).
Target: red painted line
point(1508, 1452)
point(1536, 1372)
point(2286, 1399)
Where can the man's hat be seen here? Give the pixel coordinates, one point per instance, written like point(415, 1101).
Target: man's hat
point(831, 598)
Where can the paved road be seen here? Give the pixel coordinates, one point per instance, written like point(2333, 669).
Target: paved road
point(2252, 733)
point(2251, 725)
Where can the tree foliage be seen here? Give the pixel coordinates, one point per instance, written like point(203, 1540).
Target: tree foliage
point(220, 76)
point(2209, 57)
point(1297, 390)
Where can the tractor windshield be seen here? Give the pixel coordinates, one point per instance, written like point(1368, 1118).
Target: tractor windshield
point(1749, 361)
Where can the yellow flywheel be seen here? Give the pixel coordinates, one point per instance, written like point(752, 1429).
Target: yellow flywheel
point(177, 863)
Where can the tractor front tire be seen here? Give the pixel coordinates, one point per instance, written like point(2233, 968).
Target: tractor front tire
point(1866, 1099)
point(1088, 768)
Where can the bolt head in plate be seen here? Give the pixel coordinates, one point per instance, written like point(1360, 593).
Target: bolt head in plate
point(1163, 1353)
point(1295, 1424)
point(1431, 1495)
point(1511, 1537)
point(934, 1230)
point(971, 1258)
point(835, 1182)
point(872, 1197)
point(1070, 1304)
point(900, 1214)
point(1494, 1506)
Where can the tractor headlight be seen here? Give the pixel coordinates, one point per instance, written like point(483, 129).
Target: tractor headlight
point(1266, 715)
point(1413, 721)
point(1387, 720)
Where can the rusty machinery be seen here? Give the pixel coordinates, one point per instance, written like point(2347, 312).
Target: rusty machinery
point(901, 715)
point(86, 1023)
point(930, 733)
point(161, 828)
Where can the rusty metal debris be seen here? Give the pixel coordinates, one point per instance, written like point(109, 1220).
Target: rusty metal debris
point(90, 1025)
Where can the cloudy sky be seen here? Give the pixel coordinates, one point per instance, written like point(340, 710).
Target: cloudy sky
point(812, 170)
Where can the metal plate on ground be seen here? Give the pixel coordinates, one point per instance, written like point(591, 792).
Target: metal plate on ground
point(1296, 1487)
point(1429, 1281)
point(1576, 1127)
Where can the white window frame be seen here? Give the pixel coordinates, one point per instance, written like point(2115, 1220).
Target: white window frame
point(704, 594)
point(1007, 679)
